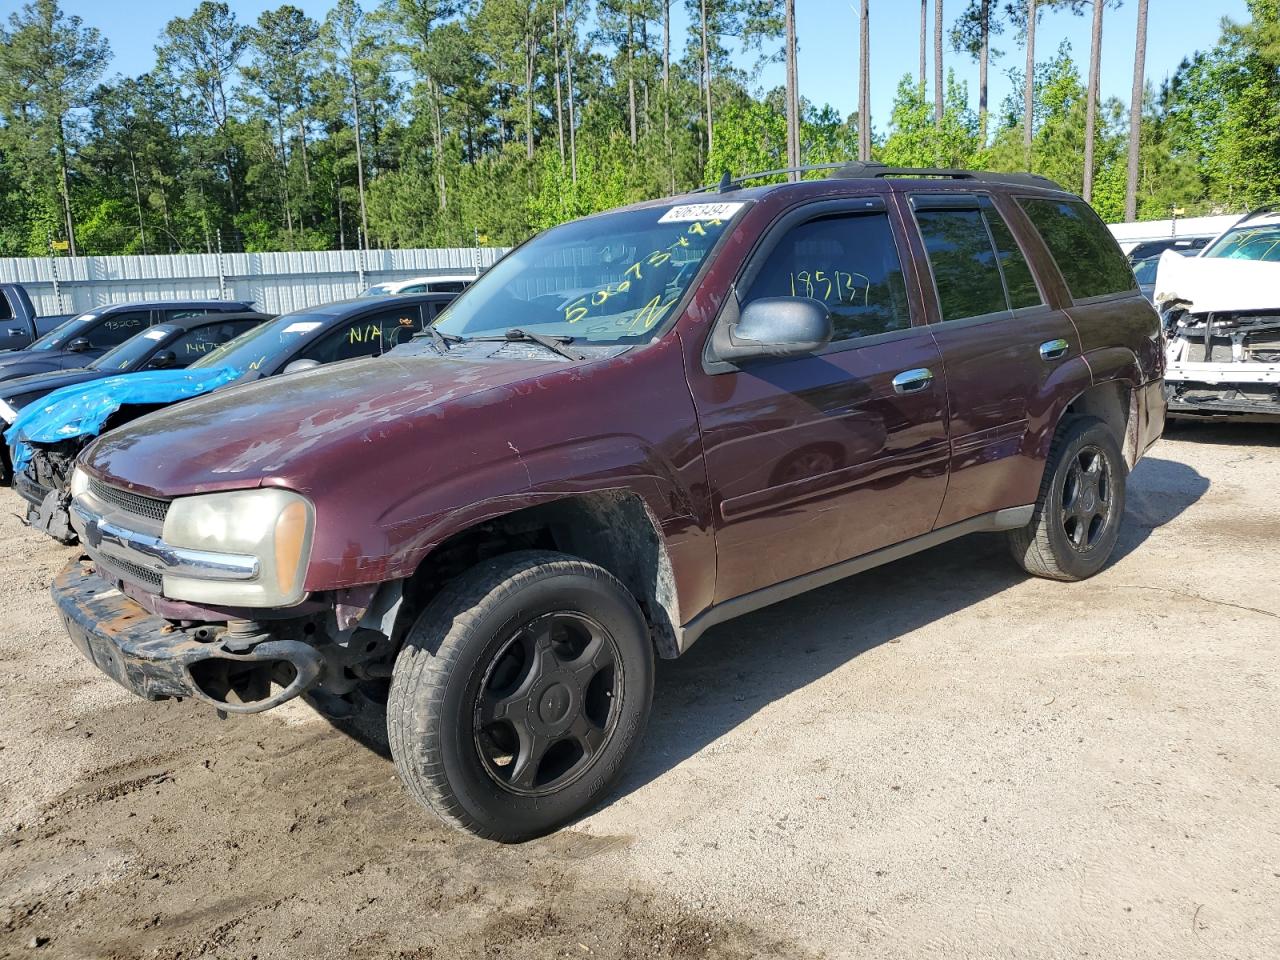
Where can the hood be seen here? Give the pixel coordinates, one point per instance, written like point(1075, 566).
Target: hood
point(24, 363)
point(78, 411)
point(1217, 284)
point(283, 429)
point(38, 384)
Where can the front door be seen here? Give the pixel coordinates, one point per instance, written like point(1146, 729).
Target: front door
point(816, 459)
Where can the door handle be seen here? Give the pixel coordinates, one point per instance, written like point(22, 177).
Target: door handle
point(15, 331)
point(1053, 349)
point(913, 381)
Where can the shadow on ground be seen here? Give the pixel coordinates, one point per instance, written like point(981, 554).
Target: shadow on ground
point(741, 666)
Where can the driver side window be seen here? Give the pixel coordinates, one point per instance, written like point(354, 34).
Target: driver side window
point(116, 328)
point(849, 263)
point(367, 336)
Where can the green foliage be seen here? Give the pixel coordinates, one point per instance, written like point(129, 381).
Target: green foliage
point(444, 122)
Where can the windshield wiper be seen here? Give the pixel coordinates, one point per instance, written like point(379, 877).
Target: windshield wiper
point(440, 338)
point(554, 344)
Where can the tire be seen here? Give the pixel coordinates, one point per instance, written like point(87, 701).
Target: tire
point(520, 694)
point(1071, 534)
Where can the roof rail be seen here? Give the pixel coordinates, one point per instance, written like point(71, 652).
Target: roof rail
point(726, 184)
point(863, 170)
point(860, 170)
point(1266, 208)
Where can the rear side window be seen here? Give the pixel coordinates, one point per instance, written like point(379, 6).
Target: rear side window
point(1018, 281)
point(964, 263)
point(850, 263)
point(1084, 250)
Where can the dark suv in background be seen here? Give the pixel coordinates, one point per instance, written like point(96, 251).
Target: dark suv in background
point(633, 427)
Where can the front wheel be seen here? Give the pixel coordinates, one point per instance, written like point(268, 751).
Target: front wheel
point(1077, 516)
point(520, 694)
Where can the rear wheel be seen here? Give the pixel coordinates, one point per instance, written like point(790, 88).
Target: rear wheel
point(520, 694)
point(1077, 517)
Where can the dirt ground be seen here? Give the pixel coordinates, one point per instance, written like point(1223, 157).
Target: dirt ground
point(941, 757)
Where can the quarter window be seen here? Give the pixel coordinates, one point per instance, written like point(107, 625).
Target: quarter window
point(1084, 250)
point(849, 263)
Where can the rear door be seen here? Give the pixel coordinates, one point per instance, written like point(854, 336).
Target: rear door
point(1002, 339)
point(816, 459)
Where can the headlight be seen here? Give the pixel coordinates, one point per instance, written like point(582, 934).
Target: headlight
point(273, 526)
point(79, 485)
point(7, 411)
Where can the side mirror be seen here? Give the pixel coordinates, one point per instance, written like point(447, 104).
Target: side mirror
point(299, 365)
point(79, 345)
point(774, 327)
point(163, 360)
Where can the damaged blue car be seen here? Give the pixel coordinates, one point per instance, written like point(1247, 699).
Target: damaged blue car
point(46, 436)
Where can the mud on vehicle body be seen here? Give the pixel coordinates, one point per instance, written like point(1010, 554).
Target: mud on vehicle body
point(632, 428)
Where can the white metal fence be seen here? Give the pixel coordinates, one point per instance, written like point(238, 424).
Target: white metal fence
point(276, 282)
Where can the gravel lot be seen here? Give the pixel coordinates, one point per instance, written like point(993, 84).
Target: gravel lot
point(938, 757)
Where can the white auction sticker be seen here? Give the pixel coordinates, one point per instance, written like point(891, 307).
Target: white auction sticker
point(689, 212)
point(155, 334)
point(302, 326)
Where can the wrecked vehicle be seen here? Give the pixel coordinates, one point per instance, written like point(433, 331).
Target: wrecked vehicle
point(1221, 316)
point(47, 436)
point(87, 336)
point(173, 344)
point(633, 427)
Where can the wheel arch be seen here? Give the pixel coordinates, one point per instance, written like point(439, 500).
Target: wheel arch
point(614, 529)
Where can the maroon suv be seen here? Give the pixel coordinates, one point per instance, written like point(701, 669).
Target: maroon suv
point(635, 426)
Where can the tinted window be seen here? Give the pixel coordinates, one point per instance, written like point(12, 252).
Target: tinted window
point(368, 336)
point(850, 263)
point(1082, 247)
point(1018, 281)
point(447, 286)
point(5, 312)
point(194, 344)
point(116, 328)
point(963, 261)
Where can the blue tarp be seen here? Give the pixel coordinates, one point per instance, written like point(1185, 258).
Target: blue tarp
point(80, 410)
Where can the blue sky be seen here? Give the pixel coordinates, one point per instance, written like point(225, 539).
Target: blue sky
point(827, 31)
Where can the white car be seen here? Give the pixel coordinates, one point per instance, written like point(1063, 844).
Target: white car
point(443, 283)
point(1221, 313)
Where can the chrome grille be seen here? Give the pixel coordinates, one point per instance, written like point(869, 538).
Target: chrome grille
point(134, 503)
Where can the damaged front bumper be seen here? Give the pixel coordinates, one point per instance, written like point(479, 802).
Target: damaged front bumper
point(235, 666)
point(1224, 366)
point(152, 657)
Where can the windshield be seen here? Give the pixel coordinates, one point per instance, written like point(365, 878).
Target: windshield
point(63, 333)
point(1260, 242)
point(378, 290)
point(250, 350)
point(607, 279)
point(132, 350)
point(1145, 270)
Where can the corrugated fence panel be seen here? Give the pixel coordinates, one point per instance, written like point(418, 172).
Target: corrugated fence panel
point(276, 282)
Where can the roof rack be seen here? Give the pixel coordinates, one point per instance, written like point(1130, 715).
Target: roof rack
point(1263, 210)
point(861, 170)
